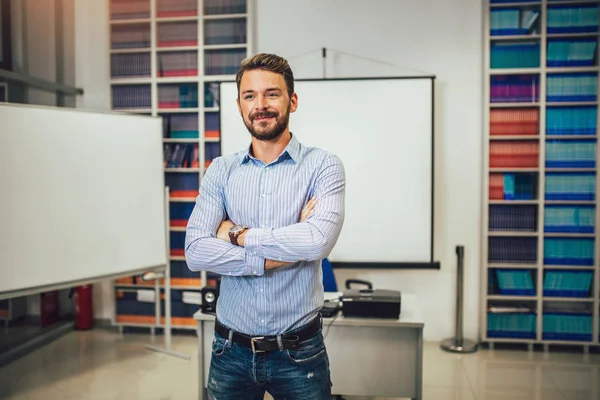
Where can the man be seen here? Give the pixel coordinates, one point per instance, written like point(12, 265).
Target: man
point(264, 219)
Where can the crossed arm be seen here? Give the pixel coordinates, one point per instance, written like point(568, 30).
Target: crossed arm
point(207, 245)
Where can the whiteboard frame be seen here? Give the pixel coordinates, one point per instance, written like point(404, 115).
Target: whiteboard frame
point(9, 294)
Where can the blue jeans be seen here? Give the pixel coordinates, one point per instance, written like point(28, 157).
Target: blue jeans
point(236, 373)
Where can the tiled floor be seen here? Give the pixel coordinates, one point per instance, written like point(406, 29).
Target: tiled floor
point(105, 365)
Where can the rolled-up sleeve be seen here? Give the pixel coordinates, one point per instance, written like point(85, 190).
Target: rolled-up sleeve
point(203, 250)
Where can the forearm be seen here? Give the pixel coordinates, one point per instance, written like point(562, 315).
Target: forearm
point(215, 255)
point(304, 241)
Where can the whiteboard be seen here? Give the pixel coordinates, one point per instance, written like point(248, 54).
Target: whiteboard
point(382, 129)
point(82, 195)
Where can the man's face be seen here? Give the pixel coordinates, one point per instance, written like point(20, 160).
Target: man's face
point(264, 104)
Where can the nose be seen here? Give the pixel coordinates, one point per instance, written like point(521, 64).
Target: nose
point(261, 102)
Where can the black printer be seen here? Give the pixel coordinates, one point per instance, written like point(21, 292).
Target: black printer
point(370, 303)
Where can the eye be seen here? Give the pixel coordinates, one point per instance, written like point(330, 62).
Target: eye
point(248, 97)
point(273, 95)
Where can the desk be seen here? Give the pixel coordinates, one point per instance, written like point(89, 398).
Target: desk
point(368, 357)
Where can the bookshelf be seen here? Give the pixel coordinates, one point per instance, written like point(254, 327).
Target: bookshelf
point(540, 275)
point(167, 58)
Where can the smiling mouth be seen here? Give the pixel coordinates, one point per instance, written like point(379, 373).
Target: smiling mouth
point(262, 119)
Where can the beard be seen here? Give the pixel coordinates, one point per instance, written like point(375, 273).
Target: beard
point(262, 132)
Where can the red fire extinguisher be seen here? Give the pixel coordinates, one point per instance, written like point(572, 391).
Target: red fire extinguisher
point(84, 312)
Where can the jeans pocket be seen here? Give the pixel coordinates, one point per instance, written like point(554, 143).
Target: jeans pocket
point(309, 350)
point(219, 345)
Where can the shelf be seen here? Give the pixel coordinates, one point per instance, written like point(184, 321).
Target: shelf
point(177, 19)
point(519, 298)
point(573, 267)
point(515, 202)
point(570, 202)
point(225, 16)
point(131, 81)
point(177, 79)
point(574, 137)
point(551, 70)
point(133, 110)
point(224, 46)
point(570, 235)
point(177, 110)
point(182, 199)
point(515, 71)
point(569, 299)
point(514, 169)
point(516, 4)
point(514, 105)
point(509, 137)
point(169, 140)
point(512, 234)
point(130, 21)
point(219, 78)
point(182, 170)
point(129, 51)
point(515, 37)
point(512, 266)
point(570, 170)
point(176, 48)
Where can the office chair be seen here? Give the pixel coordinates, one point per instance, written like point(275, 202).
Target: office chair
point(329, 283)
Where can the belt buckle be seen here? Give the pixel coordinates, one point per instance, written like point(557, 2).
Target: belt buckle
point(253, 340)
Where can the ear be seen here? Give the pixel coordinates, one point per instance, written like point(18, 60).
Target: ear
point(237, 100)
point(293, 102)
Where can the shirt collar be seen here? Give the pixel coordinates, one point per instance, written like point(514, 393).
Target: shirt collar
point(292, 150)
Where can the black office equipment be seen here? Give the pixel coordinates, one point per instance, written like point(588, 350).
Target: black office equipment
point(370, 303)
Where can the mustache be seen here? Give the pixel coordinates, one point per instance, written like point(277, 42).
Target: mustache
point(263, 114)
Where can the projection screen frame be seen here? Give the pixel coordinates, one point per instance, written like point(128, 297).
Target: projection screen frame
point(432, 264)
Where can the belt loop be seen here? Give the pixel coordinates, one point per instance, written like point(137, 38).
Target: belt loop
point(280, 342)
point(230, 338)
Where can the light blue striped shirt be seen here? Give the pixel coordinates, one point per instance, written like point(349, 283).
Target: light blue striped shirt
point(269, 200)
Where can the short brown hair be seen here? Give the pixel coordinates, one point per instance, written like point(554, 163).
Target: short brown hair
point(268, 62)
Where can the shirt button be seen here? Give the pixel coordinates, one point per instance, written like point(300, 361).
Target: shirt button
point(262, 321)
point(262, 290)
point(262, 226)
point(264, 195)
point(254, 272)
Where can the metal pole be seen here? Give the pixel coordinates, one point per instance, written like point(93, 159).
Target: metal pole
point(458, 344)
point(167, 275)
point(460, 253)
point(324, 53)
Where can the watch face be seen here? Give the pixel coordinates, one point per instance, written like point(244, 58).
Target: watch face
point(236, 229)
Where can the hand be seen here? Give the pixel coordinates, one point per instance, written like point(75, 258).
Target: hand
point(223, 230)
point(271, 264)
point(308, 209)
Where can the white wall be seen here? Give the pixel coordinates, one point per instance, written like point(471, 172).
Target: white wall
point(440, 37)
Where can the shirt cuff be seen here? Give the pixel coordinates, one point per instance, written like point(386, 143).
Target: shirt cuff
point(256, 265)
point(252, 242)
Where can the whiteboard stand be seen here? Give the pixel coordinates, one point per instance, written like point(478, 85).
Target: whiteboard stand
point(156, 276)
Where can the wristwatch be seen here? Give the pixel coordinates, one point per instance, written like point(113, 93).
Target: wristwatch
point(236, 231)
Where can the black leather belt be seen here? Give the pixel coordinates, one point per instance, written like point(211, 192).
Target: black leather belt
point(260, 344)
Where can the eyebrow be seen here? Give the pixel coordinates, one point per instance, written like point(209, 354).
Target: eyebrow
point(268, 90)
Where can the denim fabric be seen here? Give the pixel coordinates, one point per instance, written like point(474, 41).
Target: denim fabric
point(238, 374)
